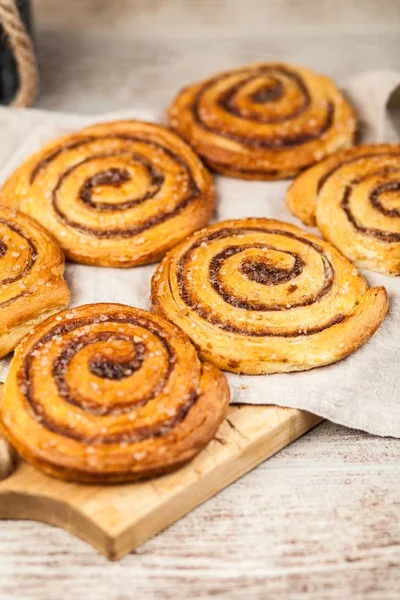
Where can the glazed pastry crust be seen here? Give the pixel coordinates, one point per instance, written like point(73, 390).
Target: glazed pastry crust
point(260, 296)
point(32, 285)
point(263, 121)
point(107, 393)
point(115, 194)
point(354, 199)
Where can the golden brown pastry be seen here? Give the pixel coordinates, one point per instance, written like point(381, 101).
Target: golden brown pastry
point(261, 296)
point(32, 286)
point(354, 198)
point(263, 121)
point(108, 393)
point(115, 194)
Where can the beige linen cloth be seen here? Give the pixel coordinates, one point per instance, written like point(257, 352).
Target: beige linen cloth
point(361, 391)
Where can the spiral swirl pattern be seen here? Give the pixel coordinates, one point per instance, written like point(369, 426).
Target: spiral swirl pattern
point(115, 194)
point(32, 285)
point(107, 393)
point(262, 296)
point(263, 121)
point(354, 198)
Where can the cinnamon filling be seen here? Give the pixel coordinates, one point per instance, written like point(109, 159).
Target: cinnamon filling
point(254, 141)
point(33, 255)
point(267, 276)
point(116, 177)
point(106, 368)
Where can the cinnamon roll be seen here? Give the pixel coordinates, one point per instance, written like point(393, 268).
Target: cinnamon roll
point(32, 286)
point(354, 198)
point(115, 194)
point(261, 296)
point(263, 121)
point(108, 393)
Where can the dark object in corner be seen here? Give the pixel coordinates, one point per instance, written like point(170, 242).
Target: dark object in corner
point(9, 79)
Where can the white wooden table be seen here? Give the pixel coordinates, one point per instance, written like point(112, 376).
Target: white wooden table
point(322, 519)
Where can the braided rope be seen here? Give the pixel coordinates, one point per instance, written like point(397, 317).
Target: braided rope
point(23, 50)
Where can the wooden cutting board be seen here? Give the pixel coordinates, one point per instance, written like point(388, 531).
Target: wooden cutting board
point(115, 519)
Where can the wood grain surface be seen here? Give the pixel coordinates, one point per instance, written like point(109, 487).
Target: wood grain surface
point(321, 519)
point(118, 518)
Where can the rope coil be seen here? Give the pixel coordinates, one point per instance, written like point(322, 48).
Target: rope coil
point(24, 54)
